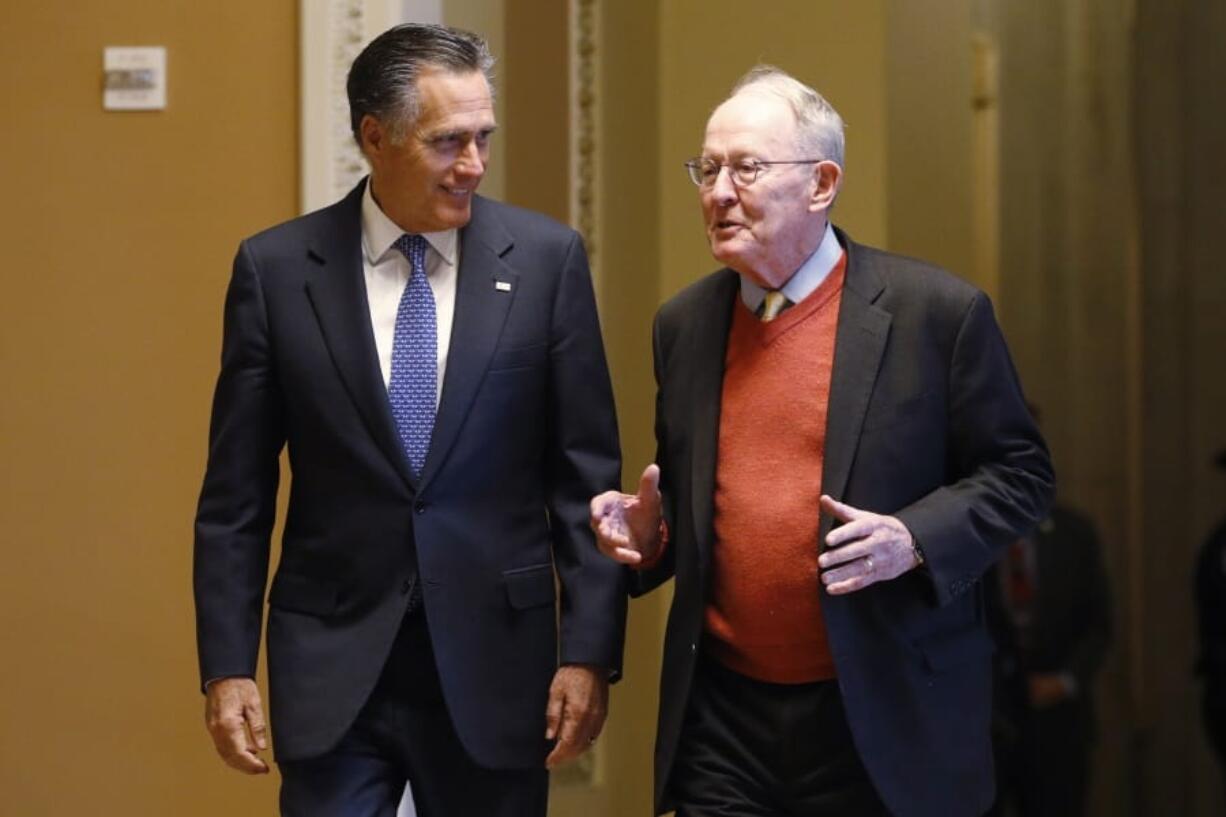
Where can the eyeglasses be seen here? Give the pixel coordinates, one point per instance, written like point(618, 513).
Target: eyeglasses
point(744, 172)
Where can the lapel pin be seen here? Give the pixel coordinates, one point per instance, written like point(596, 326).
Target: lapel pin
point(502, 286)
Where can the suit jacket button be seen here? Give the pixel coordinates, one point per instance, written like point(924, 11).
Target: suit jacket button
point(420, 507)
point(406, 586)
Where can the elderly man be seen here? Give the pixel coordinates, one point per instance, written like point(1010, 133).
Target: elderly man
point(843, 449)
point(433, 362)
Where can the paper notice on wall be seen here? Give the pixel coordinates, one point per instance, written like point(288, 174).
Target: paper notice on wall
point(135, 78)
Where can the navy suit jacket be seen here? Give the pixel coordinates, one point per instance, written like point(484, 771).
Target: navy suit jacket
point(926, 422)
point(525, 435)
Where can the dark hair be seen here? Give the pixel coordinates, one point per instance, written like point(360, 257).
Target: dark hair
point(383, 79)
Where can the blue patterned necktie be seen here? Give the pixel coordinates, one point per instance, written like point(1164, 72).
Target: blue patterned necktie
point(413, 384)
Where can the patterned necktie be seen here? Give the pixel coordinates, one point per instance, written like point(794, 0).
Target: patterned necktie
point(413, 385)
point(774, 303)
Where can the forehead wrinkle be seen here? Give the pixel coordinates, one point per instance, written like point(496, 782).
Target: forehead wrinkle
point(460, 130)
point(458, 115)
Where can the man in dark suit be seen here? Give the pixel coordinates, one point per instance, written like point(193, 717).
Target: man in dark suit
point(843, 450)
point(1049, 611)
point(432, 361)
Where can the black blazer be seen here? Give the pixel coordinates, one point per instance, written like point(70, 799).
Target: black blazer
point(926, 422)
point(525, 435)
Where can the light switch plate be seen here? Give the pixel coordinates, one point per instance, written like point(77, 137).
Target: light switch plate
point(135, 78)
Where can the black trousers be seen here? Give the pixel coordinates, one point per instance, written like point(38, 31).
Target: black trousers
point(754, 749)
point(404, 733)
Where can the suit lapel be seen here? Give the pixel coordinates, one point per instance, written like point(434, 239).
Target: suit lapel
point(708, 348)
point(480, 312)
point(336, 288)
point(860, 341)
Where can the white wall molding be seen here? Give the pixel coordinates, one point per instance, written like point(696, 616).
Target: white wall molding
point(331, 34)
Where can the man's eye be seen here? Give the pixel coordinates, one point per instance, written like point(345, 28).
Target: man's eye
point(746, 167)
point(709, 170)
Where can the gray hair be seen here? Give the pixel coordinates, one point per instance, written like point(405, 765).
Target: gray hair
point(383, 79)
point(818, 124)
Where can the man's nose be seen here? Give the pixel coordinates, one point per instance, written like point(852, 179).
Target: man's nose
point(470, 161)
point(723, 190)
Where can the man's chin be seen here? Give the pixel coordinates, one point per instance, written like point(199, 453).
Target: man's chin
point(725, 254)
point(454, 215)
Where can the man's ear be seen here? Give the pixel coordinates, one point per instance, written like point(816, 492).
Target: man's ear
point(375, 137)
point(828, 177)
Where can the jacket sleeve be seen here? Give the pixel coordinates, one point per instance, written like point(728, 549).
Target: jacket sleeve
point(583, 460)
point(1000, 475)
point(237, 506)
point(648, 579)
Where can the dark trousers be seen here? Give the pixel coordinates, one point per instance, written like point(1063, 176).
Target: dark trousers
point(404, 733)
point(753, 749)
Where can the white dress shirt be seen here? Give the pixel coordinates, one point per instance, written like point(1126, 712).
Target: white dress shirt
point(805, 280)
point(387, 273)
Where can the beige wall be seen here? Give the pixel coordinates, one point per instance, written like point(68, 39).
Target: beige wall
point(1112, 296)
point(118, 230)
point(928, 135)
point(536, 130)
point(1179, 292)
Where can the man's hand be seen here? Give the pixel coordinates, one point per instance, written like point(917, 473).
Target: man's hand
point(1048, 688)
point(867, 548)
point(578, 703)
point(235, 720)
point(627, 526)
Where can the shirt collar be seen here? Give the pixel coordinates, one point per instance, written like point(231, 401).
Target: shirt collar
point(379, 233)
point(805, 280)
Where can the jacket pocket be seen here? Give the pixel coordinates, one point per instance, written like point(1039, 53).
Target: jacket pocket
point(529, 587)
point(520, 357)
point(942, 651)
point(302, 594)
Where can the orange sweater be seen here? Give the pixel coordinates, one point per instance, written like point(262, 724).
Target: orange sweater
point(764, 617)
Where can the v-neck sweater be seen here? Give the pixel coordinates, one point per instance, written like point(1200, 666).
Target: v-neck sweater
point(764, 615)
